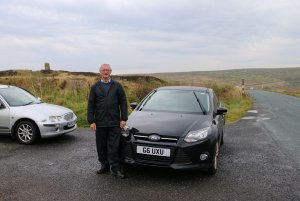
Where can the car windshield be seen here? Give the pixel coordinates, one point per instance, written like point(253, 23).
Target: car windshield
point(15, 96)
point(183, 101)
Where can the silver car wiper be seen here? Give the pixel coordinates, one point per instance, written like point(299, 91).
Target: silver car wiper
point(29, 103)
point(200, 104)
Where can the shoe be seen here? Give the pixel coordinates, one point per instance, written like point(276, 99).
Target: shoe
point(104, 169)
point(118, 174)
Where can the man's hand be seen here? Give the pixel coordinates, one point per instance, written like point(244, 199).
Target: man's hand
point(93, 126)
point(122, 124)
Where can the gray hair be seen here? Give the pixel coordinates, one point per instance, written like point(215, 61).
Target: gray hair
point(104, 65)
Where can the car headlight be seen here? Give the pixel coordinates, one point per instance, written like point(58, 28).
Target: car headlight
point(55, 118)
point(194, 136)
point(125, 131)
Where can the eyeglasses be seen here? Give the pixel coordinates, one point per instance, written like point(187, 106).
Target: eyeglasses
point(107, 70)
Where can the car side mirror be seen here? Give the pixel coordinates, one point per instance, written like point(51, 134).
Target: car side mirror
point(133, 105)
point(221, 111)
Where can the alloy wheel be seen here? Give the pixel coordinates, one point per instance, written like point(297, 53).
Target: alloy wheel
point(26, 132)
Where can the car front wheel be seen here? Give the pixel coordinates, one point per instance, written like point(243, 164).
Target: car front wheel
point(222, 139)
point(214, 165)
point(26, 132)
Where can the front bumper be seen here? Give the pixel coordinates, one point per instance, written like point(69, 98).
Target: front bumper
point(55, 129)
point(182, 155)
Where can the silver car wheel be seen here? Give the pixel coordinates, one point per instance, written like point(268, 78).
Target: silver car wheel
point(26, 132)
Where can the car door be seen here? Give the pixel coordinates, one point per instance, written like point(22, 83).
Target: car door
point(4, 117)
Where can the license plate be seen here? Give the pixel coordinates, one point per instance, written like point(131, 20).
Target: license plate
point(153, 151)
point(71, 124)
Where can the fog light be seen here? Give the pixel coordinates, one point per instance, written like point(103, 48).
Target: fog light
point(203, 157)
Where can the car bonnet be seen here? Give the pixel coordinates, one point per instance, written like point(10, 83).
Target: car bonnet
point(165, 123)
point(42, 109)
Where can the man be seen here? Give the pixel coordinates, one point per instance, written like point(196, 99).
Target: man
point(107, 115)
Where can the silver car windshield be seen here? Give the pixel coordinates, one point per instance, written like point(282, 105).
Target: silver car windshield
point(15, 96)
point(183, 101)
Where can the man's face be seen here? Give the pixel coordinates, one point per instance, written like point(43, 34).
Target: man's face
point(105, 72)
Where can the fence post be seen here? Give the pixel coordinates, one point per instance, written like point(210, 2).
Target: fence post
point(243, 87)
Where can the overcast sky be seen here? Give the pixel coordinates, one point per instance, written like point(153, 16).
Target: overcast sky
point(145, 36)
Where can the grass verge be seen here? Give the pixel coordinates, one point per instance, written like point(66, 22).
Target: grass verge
point(237, 108)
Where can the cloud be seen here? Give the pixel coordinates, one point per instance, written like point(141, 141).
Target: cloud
point(149, 36)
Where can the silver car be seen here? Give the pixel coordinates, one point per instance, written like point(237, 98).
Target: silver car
point(26, 118)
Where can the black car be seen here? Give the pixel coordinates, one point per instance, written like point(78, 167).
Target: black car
point(178, 127)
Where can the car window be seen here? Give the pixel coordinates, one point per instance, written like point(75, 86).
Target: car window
point(15, 96)
point(216, 101)
point(176, 101)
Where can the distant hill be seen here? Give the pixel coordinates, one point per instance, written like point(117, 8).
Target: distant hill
point(285, 80)
point(275, 78)
point(60, 74)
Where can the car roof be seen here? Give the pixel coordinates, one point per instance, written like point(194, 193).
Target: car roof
point(184, 88)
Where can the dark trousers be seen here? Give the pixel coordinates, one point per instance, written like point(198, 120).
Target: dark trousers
point(108, 146)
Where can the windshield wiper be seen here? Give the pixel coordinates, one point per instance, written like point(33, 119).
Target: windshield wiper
point(200, 104)
point(148, 98)
point(29, 103)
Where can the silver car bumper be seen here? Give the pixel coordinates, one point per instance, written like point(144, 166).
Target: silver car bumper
point(55, 129)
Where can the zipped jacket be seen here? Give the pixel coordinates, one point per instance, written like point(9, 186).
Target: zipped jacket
point(107, 109)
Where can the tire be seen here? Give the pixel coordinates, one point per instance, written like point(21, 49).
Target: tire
point(214, 165)
point(222, 139)
point(26, 132)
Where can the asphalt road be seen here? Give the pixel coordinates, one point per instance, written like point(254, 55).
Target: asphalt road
point(255, 164)
point(284, 123)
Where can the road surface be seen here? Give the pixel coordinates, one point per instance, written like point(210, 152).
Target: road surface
point(282, 113)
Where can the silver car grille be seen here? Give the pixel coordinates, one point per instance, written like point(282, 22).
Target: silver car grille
point(68, 116)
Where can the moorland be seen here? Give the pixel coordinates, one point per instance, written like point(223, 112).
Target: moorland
point(71, 89)
point(282, 80)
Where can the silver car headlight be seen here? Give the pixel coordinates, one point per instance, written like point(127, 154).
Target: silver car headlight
point(55, 118)
point(194, 136)
point(125, 131)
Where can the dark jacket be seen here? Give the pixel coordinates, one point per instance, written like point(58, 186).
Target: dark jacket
point(106, 110)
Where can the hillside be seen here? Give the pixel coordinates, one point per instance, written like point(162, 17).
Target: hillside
point(282, 79)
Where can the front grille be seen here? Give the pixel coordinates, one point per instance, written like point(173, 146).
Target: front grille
point(177, 155)
point(181, 157)
point(67, 127)
point(68, 116)
point(159, 160)
point(145, 137)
